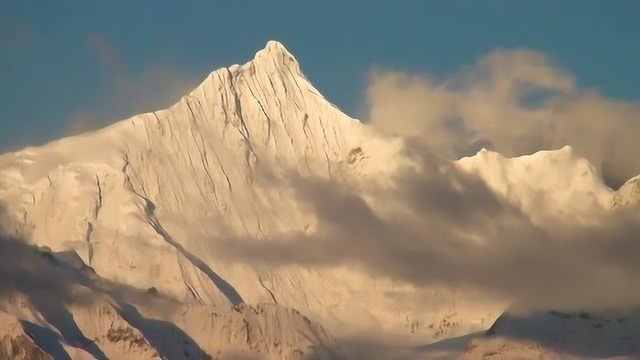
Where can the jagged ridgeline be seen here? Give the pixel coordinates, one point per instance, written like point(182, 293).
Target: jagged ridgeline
point(130, 215)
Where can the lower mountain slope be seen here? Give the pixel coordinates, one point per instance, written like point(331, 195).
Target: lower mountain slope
point(104, 320)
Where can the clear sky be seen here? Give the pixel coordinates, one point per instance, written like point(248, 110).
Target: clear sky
point(64, 63)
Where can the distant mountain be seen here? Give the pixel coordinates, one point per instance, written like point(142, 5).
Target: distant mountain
point(560, 335)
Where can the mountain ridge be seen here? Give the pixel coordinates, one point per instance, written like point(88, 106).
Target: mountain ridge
point(141, 200)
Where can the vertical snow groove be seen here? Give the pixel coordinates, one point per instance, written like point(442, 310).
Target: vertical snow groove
point(205, 159)
point(90, 228)
point(305, 125)
point(225, 288)
point(98, 206)
point(201, 152)
point(87, 239)
point(273, 297)
point(335, 136)
point(263, 112)
point(324, 148)
point(270, 125)
point(186, 279)
point(183, 272)
point(224, 172)
point(279, 107)
point(295, 81)
point(240, 117)
point(242, 129)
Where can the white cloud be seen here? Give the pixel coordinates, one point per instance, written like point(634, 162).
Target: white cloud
point(513, 101)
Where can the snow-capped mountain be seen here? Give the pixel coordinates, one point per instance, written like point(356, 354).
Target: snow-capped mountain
point(144, 197)
point(560, 335)
point(557, 181)
point(141, 202)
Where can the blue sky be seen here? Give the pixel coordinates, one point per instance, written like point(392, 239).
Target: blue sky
point(69, 62)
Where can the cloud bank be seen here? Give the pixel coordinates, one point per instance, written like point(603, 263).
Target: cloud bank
point(440, 226)
point(514, 102)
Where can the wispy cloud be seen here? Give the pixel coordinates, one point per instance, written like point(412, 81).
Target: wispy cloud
point(105, 52)
point(127, 92)
point(513, 101)
point(13, 34)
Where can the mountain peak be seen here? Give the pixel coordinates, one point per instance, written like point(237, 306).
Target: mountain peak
point(274, 46)
point(269, 66)
point(274, 58)
point(276, 54)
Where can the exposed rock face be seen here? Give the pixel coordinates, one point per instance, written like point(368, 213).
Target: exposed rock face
point(111, 321)
point(628, 196)
point(21, 348)
point(127, 335)
point(505, 349)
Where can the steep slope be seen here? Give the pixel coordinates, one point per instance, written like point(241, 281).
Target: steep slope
point(557, 182)
point(142, 200)
point(111, 321)
point(16, 342)
point(107, 331)
point(140, 196)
